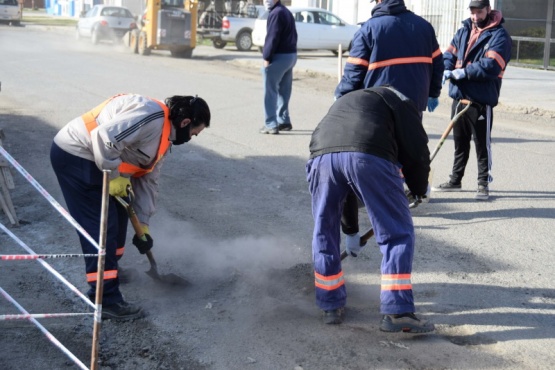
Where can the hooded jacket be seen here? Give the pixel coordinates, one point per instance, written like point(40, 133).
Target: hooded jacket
point(380, 122)
point(398, 48)
point(484, 63)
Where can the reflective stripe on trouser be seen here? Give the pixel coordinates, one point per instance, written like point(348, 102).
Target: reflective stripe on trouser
point(380, 186)
point(81, 184)
point(476, 123)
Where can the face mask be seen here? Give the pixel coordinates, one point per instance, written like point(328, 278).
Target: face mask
point(268, 4)
point(182, 134)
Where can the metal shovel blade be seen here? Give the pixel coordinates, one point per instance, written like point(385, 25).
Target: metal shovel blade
point(171, 279)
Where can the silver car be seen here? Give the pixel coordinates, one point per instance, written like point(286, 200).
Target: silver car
point(105, 22)
point(10, 12)
point(317, 29)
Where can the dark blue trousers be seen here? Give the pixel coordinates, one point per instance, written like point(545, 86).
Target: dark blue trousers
point(379, 184)
point(81, 184)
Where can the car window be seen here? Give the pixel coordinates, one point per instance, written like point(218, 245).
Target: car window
point(111, 12)
point(327, 18)
point(8, 2)
point(304, 16)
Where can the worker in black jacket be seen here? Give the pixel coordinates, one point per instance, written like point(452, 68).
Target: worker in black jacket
point(360, 146)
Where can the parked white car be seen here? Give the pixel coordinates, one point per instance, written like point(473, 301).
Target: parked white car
point(10, 12)
point(105, 22)
point(317, 29)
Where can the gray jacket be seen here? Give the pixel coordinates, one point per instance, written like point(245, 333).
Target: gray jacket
point(129, 130)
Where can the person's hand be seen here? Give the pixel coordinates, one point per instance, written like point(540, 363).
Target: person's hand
point(456, 74)
point(266, 63)
point(432, 104)
point(145, 243)
point(118, 186)
point(352, 244)
point(446, 75)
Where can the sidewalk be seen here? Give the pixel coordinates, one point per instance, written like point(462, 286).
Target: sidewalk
point(524, 90)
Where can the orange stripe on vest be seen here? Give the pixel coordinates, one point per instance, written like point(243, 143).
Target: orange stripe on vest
point(90, 123)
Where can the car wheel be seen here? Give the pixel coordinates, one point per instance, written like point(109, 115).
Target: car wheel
point(142, 47)
point(243, 41)
point(134, 41)
point(95, 36)
point(219, 43)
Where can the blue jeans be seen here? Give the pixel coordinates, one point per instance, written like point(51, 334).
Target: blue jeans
point(278, 83)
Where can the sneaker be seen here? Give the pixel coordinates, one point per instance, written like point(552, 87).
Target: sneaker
point(271, 131)
point(407, 323)
point(121, 311)
point(333, 317)
point(447, 186)
point(482, 193)
point(285, 127)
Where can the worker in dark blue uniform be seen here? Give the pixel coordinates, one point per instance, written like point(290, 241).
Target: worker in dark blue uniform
point(398, 48)
point(360, 147)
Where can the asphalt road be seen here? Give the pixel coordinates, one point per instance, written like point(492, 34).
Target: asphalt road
point(234, 218)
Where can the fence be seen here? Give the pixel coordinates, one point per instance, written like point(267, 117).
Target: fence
point(101, 247)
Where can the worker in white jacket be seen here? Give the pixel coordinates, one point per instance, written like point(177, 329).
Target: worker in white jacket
point(129, 135)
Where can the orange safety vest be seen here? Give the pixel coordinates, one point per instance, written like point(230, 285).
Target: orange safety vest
point(90, 123)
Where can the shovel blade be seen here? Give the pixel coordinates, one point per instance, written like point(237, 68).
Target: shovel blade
point(171, 279)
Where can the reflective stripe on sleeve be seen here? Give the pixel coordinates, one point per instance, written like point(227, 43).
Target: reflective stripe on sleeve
point(357, 61)
point(498, 58)
point(120, 251)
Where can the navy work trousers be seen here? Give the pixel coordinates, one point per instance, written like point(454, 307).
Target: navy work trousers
point(379, 184)
point(81, 184)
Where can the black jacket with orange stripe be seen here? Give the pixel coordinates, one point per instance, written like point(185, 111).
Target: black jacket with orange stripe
point(398, 48)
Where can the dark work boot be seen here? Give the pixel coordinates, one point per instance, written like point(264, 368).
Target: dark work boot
point(121, 311)
point(406, 322)
point(333, 317)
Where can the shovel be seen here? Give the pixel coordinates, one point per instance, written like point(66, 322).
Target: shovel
point(171, 279)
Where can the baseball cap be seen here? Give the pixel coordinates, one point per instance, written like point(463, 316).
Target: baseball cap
point(479, 4)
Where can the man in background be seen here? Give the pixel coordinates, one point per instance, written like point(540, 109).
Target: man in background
point(280, 56)
point(474, 64)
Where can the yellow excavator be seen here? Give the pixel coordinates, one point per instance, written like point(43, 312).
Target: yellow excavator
point(166, 25)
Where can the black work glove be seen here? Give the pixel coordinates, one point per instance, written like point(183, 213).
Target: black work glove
point(143, 245)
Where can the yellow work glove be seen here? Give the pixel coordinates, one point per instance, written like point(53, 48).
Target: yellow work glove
point(145, 229)
point(118, 186)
